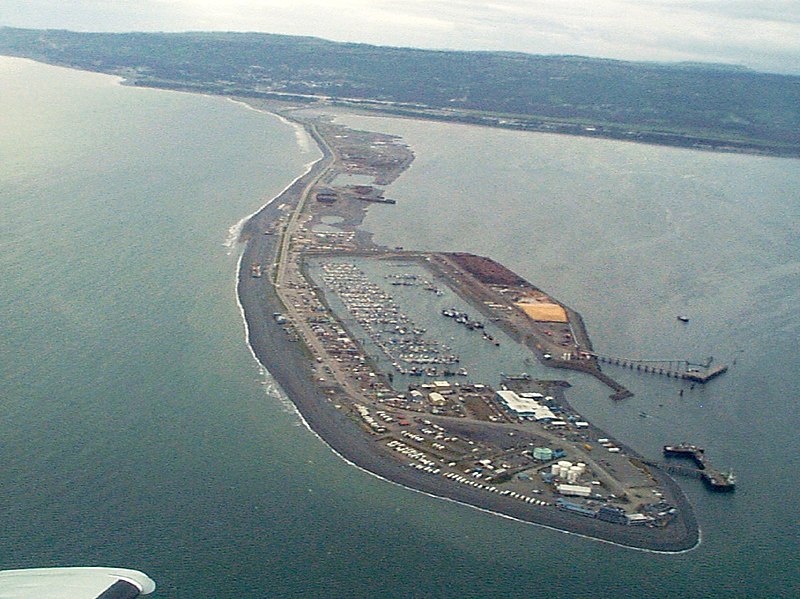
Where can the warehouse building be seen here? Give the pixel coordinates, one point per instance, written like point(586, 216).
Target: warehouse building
point(525, 406)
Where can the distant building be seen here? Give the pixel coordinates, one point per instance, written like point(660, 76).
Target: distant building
point(576, 508)
point(638, 519)
point(442, 387)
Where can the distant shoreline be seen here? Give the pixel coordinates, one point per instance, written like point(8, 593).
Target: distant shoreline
point(524, 123)
point(665, 134)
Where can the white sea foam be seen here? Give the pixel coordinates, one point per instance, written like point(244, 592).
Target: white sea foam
point(302, 137)
point(304, 141)
point(273, 390)
point(234, 231)
point(271, 387)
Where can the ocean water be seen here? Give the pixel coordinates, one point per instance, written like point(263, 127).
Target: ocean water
point(138, 431)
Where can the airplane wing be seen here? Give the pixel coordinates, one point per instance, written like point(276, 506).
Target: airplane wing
point(74, 583)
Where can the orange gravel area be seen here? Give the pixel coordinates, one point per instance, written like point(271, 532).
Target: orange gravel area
point(544, 312)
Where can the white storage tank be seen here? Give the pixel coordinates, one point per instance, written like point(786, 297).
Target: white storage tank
point(555, 470)
point(573, 474)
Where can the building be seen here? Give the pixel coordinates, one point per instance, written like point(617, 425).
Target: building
point(437, 399)
point(574, 490)
point(525, 406)
point(576, 508)
point(612, 514)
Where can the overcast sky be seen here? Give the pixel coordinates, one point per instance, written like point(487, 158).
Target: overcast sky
point(761, 34)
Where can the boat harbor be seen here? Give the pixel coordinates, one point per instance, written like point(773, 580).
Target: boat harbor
point(413, 326)
point(402, 341)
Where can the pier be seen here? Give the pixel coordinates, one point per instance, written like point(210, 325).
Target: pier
point(678, 369)
point(716, 480)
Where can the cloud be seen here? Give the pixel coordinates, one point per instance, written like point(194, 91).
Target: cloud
point(762, 34)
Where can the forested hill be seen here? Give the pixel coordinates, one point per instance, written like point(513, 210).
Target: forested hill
point(696, 105)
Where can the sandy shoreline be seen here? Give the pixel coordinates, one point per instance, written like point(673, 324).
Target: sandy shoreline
point(290, 365)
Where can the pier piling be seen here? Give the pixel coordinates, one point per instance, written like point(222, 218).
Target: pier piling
point(677, 369)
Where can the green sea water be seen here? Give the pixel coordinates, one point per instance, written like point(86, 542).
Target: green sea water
point(138, 431)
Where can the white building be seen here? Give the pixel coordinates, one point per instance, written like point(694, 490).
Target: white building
point(525, 406)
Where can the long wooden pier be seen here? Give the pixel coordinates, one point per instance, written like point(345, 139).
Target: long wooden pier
point(679, 369)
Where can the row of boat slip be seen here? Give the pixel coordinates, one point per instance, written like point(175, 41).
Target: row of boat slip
point(472, 325)
point(412, 280)
point(376, 312)
point(462, 318)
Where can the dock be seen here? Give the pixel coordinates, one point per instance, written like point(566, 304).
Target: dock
point(698, 377)
point(715, 480)
point(678, 369)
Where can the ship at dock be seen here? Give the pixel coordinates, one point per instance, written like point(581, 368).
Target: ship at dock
point(715, 480)
point(682, 450)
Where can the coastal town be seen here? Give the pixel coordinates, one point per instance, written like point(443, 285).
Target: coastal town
point(421, 359)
